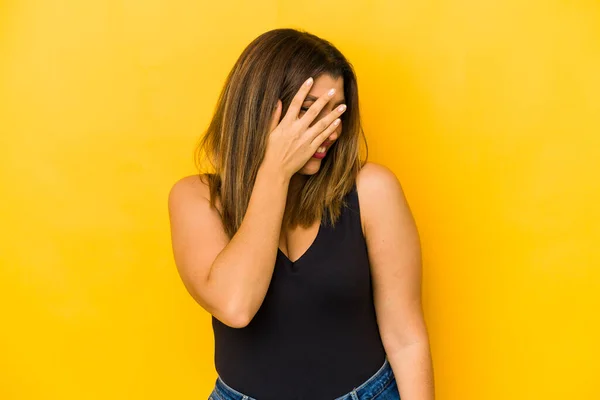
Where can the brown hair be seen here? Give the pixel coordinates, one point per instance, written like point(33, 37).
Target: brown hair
point(273, 67)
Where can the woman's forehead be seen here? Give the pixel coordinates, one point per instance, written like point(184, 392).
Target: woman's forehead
point(324, 83)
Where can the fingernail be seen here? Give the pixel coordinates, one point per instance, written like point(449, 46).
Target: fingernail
point(309, 82)
point(342, 108)
point(336, 122)
point(331, 92)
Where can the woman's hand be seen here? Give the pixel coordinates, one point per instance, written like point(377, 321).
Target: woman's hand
point(292, 142)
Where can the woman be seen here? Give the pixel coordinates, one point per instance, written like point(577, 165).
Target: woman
point(312, 296)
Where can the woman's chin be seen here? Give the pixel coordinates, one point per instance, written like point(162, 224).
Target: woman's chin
point(311, 167)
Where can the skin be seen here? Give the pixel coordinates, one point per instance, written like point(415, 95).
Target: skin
point(321, 86)
point(395, 258)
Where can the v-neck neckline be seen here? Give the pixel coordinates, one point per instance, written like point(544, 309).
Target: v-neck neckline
point(307, 251)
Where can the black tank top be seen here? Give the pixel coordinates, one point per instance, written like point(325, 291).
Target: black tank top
point(315, 336)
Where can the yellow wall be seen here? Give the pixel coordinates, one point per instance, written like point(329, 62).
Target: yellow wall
point(488, 111)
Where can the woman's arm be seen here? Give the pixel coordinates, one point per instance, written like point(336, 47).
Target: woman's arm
point(228, 278)
point(395, 256)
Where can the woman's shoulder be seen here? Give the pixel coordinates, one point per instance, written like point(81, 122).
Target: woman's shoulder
point(379, 192)
point(191, 189)
point(375, 178)
point(194, 185)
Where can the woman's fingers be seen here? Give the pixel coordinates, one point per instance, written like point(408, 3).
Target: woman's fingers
point(276, 117)
point(296, 104)
point(323, 135)
point(315, 109)
point(326, 121)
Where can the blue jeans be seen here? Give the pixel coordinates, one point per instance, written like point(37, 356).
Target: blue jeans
point(380, 386)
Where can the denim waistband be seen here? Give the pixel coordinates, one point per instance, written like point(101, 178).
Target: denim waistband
point(367, 390)
point(224, 392)
point(372, 386)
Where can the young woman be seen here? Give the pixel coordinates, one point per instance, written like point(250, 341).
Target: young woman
point(314, 294)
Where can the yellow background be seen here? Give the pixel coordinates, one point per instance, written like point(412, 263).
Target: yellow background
point(488, 112)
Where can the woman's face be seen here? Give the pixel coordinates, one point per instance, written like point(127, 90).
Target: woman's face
point(322, 85)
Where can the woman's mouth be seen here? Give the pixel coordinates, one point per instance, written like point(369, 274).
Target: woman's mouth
point(321, 152)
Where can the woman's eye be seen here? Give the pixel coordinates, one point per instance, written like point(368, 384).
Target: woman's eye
point(305, 109)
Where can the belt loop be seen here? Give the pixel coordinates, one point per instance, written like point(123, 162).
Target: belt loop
point(354, 395)
point(245, 397)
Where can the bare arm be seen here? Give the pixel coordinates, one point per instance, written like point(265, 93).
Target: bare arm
point(395, 256)
point(230, 278)
point(227, 278)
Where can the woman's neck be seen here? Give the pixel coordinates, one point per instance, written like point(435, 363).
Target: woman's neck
point(297, 182)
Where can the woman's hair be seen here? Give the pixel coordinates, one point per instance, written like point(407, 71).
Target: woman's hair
point(273, 67)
